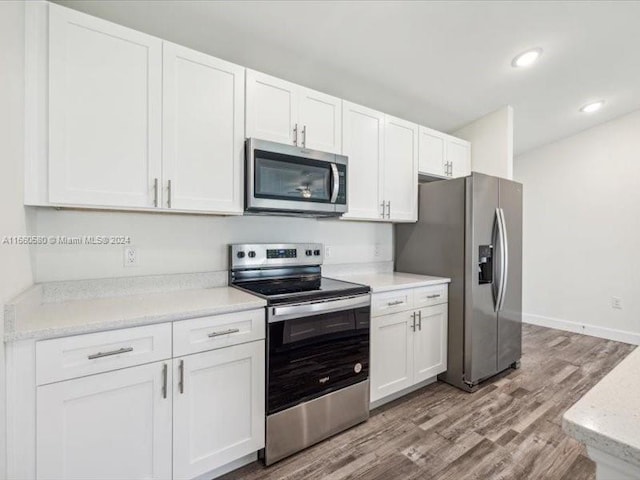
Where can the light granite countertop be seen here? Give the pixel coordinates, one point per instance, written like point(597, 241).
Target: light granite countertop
point(32, 318)
point(607, 417)
point(384, 282)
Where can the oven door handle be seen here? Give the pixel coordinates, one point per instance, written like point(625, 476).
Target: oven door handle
point(336, 183)
point(307, 309)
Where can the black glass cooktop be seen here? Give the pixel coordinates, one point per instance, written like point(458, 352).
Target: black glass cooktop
point(301, 288)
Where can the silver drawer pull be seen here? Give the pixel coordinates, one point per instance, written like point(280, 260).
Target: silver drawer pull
point(108, 354)
point(225, 332)
point(397, 302)
point(433, 296)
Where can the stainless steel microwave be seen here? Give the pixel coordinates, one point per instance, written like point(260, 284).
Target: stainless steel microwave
point(286, 179)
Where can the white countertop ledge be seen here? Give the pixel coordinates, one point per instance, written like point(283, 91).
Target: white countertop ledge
point(385, 282)
point(48, 320)
point(607, 417)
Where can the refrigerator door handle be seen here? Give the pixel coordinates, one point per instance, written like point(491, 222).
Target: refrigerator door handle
point(504, 278)
point(498, 280)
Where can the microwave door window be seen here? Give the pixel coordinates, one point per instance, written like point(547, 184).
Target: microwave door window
point(292, 180)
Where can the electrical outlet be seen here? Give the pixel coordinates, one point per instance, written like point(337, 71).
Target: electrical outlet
point(327, 252)
point(377, 250)
point(130, 257)
point(616, 302)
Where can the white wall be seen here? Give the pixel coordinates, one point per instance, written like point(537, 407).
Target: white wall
point(582, 230)
point(14, 261)
point(491, 140)
point(169, 243)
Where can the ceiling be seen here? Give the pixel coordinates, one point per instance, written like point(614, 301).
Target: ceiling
point(440, 64)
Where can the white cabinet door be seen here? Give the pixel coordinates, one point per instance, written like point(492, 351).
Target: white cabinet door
point(430, 342)
point(391, 354)
point(271, 108)
point(218, 408)
point(320, 121)
point(363, 143)
point(401, 169)
point(203, 131)
point(459, 154)
point(114, 425)
point(432, 147)
point(104, 112)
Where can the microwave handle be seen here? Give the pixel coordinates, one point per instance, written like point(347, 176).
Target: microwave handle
point(336, 183)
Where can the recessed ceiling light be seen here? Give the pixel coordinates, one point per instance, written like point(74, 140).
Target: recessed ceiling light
point(592, 107)
point(527, 58)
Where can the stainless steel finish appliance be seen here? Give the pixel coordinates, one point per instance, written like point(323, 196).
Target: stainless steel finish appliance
point(287, 179)
point(470, 229)
point(317, 353)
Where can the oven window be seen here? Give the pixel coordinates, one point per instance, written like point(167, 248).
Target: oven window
point(291, 178)
point(312, 356)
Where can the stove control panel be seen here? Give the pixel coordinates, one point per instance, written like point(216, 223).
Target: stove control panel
point(257, 255)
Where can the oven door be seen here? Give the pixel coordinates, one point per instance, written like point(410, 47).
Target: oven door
point(317, 353)
point(293, 179)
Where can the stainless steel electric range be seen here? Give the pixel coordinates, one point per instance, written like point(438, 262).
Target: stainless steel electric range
point(317, 354)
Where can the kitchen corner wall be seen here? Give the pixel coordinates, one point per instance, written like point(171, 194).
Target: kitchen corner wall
point(582, 231)
point(175, 243)
point(491, 140)
point(14, 260)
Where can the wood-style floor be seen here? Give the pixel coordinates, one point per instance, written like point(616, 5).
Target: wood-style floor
point(510, 429)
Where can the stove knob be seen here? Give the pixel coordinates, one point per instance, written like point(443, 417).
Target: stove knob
point(252, 254)
point(316, 253)
point(308, 253)
point(240, 255)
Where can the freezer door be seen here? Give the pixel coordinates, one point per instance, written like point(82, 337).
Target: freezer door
point(510, 313)
point(481, 324)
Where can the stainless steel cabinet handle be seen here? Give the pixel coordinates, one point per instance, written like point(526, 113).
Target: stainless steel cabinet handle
point(181, 371)
point(112, 352)
point(413, 325)
point(304, 136)
point(295, 135)
point(433, 296)
point(155, 192)
point(169, 194)
point(224, 332)
point(389, 209)
point(383, 204)
point(395, 302)
point(420, 320)
point(164, 380)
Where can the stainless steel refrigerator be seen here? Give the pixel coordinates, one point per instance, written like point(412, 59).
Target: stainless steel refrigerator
point(470, 229)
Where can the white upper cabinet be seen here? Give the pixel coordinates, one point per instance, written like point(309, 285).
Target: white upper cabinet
point(442, 155)
point(284, 112)
point(104, 112)
point(383, 165)
point(321, 118)
point(271, 108)
point(432, 152)
point(401, 169)
point(363, 144)
point(203, 131)
point(459, 157)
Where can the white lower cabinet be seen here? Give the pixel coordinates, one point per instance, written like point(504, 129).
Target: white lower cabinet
point(180, 418)
point(218, 408)
point(407, 347)
point(114, 425)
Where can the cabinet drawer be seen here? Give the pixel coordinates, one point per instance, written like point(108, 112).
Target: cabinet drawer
point(432, 295)
point(208, 333)
point(391, 302)
point(70, 357)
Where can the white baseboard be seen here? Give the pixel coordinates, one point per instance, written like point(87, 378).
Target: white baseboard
point(624, 336)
